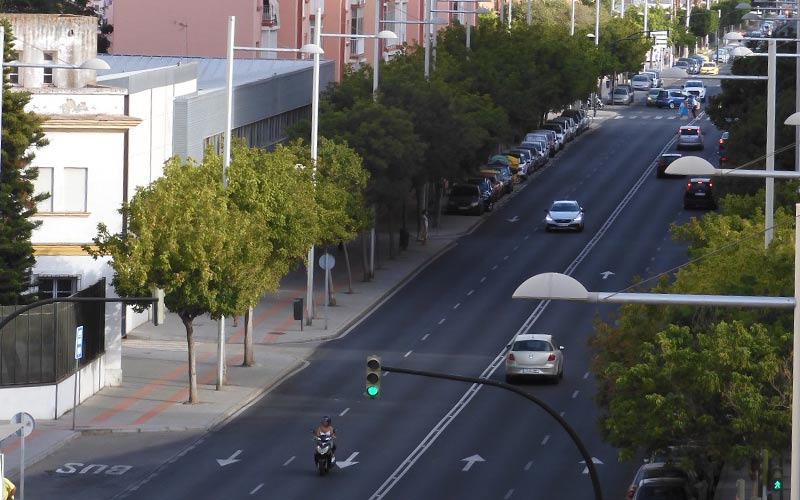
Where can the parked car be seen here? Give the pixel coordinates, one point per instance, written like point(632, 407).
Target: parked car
point(498, 189)
point(534, 355)
point(580, 116)
point(664, 489)
point(652, 97)
point(552, 139)
point(505, 174)
point(663, 162)
point(509, 161)
point(642, 82)
point(487, 192)
point(666, 470)
point(564, 214)
point(709, 68)
point(655, 75)
point(538, 152)
point(523, 163)
point(570, 127)
point(699, 193)
point(697, 88)
point(621, 95)
point(690, 136)
point(561, 138)
point(465, 199)
point(670, 98)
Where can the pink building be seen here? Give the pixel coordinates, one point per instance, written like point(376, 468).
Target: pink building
point(199, 27)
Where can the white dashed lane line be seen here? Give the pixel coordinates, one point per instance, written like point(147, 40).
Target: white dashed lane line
point(408, 354)
point(425, 337)
point(470, 292)
point(344, 412)
point(442, 320)
point(483, 279)
point(288, 461)
point(546, 439)
point(457, 305)
point(528, 465)
point(575, 394)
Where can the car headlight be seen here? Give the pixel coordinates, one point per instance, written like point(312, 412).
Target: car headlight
point(547, 218)
point(579, 218)
point(474, 204)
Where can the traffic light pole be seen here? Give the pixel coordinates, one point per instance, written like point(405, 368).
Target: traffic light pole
point(598, 494)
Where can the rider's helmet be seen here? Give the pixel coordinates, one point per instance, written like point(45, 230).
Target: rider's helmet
point(326, 420)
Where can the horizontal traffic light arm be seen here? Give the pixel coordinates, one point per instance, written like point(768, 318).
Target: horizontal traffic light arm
point(598, 494)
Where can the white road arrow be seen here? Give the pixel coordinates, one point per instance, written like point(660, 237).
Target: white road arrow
point(606, 274)
point(594, 461)
point(349, 461)
point(230, 460)
point(513, 219)
point(470, 461)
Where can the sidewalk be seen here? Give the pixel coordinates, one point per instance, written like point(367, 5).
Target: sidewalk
point(155, 363)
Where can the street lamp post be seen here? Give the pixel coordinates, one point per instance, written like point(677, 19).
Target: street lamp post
point(697, 166)
point(305, 49)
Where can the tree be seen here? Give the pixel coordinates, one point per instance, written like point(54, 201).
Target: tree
point(21, 134)
point(213, 250)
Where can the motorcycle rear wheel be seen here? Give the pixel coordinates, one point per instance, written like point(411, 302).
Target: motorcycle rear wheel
point(322, 467)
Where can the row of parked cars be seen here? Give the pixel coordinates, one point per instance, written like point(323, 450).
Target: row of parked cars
point(679, 473)
point(497, 177)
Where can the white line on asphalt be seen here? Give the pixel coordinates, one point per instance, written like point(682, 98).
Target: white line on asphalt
point(585, 375)
point(528, 465)
point(442, 320)
point(255, 490)
point(494, 267)
point(483, 279)
point(289, 461)
point(618, 117)
point(546, 439)
point(575, 394)
point(527, 236)
point(408, 354)
point(469, 395)
point(458, 304)
point(470, 292)
point(505, 258)
point(384, 374)
point(561, 414)
point(344, 412)
point(659, 117)
point(425, 337)
point(515, 248)
point(509, 494)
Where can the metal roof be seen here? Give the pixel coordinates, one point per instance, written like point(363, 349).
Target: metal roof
point(211, 70)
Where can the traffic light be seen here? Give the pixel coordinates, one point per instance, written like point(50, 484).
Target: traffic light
point(775, 482)
point(373, 375)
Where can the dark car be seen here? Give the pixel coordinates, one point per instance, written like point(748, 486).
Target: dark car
point(487, 191)
point(663, 163)
point(496, 181)
point(722, 149)
point(579, 116)
point(505, 174)
point(465, 198)
point(699, 193)
point(664, 488)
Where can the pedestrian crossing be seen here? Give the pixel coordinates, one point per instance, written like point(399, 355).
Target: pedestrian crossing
point(667, 115)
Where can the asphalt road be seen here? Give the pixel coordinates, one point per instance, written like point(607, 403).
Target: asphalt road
point(434, 439)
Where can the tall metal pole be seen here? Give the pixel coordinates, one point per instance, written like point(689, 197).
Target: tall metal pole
point(468, 20)
point(377, 58)
point(770, 182)
point(226, 161)
point(2, 62)
point(510, 5)
point(427, 31)
point(794, 481)
point(596, 22)
point(572, 20)
point(314, 138)
point(797, 98)
point(528, 17)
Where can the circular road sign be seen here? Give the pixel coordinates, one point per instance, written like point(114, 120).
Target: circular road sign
point(27, 421)
point(327, 261)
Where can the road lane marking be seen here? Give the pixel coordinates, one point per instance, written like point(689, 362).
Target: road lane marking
point(575, 394)
point(505, 258)
point(509, 494)
point(408, 354)
point(425, 337)
point(255, 490)
point(483, 279)
point(458, 304)
point(494, 267)
point(528, 466)
point(288, 461)
point(470, 292)
point(442, 320)
point(546, 439)
point(585, 375)
point(344, 412)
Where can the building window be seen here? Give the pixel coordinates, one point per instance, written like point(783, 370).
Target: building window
point(356, 28)
point(55, 287)
point(75, 189)
point(13, 74)
point(269, 14)
point(396, 11)
point(44, 184)
point(49, 57)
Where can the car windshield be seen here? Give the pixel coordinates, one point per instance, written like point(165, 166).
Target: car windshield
point(641, 78)
point(532, 345)
point(654, 92)
point(693, 84)
point(564, 206)
point(620, 90)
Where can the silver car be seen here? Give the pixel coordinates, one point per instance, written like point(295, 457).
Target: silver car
point(534, 355)
point(690, 136)
point(564, 214)
point(620, 95)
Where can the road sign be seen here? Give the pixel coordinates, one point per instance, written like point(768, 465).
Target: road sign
point(659, 38)
point(327, 261)
point(27, 422)
point(79, 342)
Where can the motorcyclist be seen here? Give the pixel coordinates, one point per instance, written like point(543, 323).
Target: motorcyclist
point(326, 429)
point(692, 105)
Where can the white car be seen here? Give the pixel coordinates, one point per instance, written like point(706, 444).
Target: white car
point(564, 214)
point(697, 88)
point(642, 82)
point(534, 355)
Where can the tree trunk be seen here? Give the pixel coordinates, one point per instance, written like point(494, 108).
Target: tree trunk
point(187, 323)
point(248, 359)
point(349, 270)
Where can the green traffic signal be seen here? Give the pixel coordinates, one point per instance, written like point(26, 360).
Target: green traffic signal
point(373, 376)
point(777, 485)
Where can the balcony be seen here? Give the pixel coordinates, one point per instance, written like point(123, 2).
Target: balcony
point(269, 18)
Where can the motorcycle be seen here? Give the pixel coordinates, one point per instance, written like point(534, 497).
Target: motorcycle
point(323, 454)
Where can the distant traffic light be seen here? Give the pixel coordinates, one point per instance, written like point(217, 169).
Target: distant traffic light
point(373, 375)
point(775, 482)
